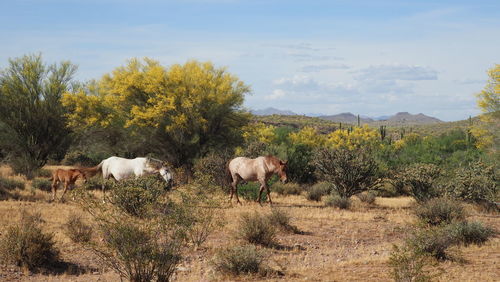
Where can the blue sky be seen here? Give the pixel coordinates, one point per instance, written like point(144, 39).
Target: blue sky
point(321, 57)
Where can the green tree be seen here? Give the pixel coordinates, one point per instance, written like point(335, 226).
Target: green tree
point(182, 112)
point(32, 116)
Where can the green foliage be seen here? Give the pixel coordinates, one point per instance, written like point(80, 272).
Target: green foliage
point(439, 211)
point(337, 201)
point(422, 180)
point(10, 184)
point(26, 245)
point(318, 190)
point(43, 173)
point(475, 183)
point(350, 171)
point(240, 260)
point(300, 167)
point(42, 184)
point(137, 196)
point(256, 229)
point(250, 191)
point(434, 242)
point(286, 189)
point(31, 111)
point(77, 230)
point(468, 233)
point(408, 265)
point(78, 157)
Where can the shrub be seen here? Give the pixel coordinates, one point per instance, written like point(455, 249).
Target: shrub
point(422, 179)
point(78, 157)
point(211, 170)
point(319, 190)
point(136, 196)
point(42, 184)
point(10, 184)
point(470, 232)
point(368, 197)
point(95, 183)
point(281, 219)
point(286, 188)
point(408, 265)
point(475, 183)
point(440, 210)
point(77, 230)
point(434, 242)
point(26, 245)
point(240, 260)
point(299, 166)
point(337, 201)
point(44, 173)
point(350, 171)
point(139, 251)
point(256, 229)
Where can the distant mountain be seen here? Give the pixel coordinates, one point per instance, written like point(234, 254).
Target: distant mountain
point(347, 118)
point(407, 118)
point(382, 118)
point(273, 111)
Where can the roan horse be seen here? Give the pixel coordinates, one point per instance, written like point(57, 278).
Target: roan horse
point(121, 168)
point(66, 176)
point(258, 169)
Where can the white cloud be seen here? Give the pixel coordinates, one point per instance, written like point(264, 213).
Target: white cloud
point(318, 68)
point(277, 94)
point(396, 72)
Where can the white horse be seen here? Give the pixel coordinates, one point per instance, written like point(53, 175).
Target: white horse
point(121, 168)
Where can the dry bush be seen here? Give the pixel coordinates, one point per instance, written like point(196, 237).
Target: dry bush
point(237, 260)
point(286, 188)
point(318, 190)
point(440, 211)
point(422, 180)
point(42, 184)
point(434, 242)
point(77, 230)
point(211, 170)
point(11, 184)
point(43, 173)
point(26, 245)
point(408, 265)
point(282, 219)
point(368, 197)
point(337, 201)
point(468, 233)
point(256, 229)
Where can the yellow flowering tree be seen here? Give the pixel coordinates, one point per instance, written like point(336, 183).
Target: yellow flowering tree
point(259, 132)
point(487, 133)
point(308, 136)
point(180, 112)
point(364, 136)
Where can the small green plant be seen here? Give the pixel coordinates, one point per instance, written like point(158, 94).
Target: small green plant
point(337, 201)
point(468, 233)
point(438, 211)
point(367, 197)
point(256, 229)
point(281, 218)
point(250, 191)
point(434, 241)
point(286, 188)
point(77, 230)
point(26, 245)
point(10, 184)
point(42, 184)
point(238, 260)
point(319, 190)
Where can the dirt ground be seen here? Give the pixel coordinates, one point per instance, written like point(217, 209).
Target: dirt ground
point(334, 245)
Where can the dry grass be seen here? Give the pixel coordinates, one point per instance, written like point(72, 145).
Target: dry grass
point(335, 245)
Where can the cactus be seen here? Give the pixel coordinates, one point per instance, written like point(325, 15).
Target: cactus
point(383, 132)
point(359, 124)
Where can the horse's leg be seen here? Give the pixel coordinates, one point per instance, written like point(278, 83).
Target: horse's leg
point(268, 194)
point(66, 184)
point(54, 188)
point(261, 189)
point(234, 189)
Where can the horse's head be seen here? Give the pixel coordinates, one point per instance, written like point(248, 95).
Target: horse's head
point(282, 169)
point(167, 175)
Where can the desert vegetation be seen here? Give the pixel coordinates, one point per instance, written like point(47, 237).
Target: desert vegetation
point(362, 203)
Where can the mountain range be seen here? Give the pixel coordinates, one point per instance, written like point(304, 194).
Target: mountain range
point(401, 118)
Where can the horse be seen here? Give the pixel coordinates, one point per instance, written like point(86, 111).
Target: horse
point(121, 168)
point(66, 176)
point(258, 169)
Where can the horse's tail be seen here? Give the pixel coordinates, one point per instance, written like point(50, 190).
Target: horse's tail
point(91, 171)
point(229, 176)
